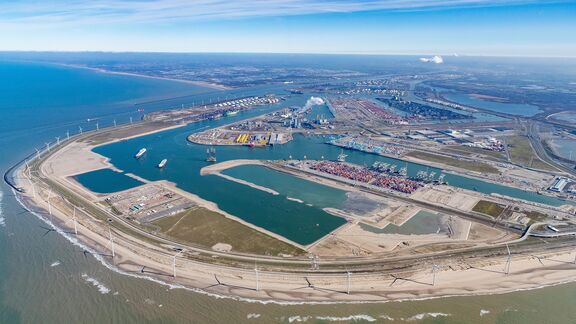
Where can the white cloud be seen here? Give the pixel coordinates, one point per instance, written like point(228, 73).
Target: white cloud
point(86, 12)
point(436, 59)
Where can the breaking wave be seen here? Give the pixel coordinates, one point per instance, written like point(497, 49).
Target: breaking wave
point(2, 219)
point(351, 318)
point(101, 288)
point(419, 317)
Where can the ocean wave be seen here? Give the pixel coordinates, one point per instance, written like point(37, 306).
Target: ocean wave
point(421, 316)
point(2, 219)
point(252, 315)
point(351, 318)
point(298, 319)
point(386, 317)
point(101, 288)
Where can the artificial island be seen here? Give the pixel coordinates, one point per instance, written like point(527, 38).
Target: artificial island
point(365, 190)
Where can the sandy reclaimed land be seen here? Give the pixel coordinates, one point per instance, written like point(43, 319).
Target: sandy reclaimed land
point(218, 167)
point(132, 254)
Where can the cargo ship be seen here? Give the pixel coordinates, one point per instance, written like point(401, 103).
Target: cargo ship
point(162, 163)
point(140, 153)
point(231, 113)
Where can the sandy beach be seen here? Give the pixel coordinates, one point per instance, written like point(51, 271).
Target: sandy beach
point(131, 254)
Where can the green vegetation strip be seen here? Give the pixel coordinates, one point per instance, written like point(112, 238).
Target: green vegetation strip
point(464, 164)
point(488, 208)
point(522, 153)
point(535, 216)
point(204, 227)
point(468, 151)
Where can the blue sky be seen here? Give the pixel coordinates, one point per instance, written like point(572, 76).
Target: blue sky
point(473, 27)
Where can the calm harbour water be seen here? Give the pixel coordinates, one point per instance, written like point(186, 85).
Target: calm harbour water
point(45, 278)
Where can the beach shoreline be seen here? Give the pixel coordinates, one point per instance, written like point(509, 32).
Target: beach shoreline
point(204, 84)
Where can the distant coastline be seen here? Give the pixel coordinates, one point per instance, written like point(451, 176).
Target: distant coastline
point(204, 84)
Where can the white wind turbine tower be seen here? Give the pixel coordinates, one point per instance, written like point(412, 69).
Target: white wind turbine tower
point(80, 129)
point(67, 134)
point(434, 269)
point(130, 119)
point(111, 243)
point(508, 261)
point(37, 153)
point(97, 126)
point(75, 222)
point(49, 204)
point(348, 277)
point(47, 146)
point(57, 140)
point(114, 122)
point(257, 277)
point(33, 189)
point(30, 179)
point(174, 262)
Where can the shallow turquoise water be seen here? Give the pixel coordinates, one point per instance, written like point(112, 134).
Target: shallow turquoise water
point(424, 222)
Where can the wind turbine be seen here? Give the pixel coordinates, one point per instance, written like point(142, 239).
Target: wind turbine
point(97, 126)
point(31, 183)
point(75, 222)
point(348, 275)
point(37, 153)
point(57, 140)
point(67, 135)
point(48, 146)
point(507, 268)
point(174, 262)
point(130, 120)
point(80, 129)
point(434, 269)
point(257, 278)
point(49, 204)
point(111, 243)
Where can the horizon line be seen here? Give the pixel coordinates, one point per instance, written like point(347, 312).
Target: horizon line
point(452, 54)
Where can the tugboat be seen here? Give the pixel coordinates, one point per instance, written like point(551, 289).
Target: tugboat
point(162, 163)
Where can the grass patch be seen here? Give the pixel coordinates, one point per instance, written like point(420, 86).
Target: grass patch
point(521, 153)
point(535, 216)
point(463, 164)
point(204, 227)
point(488, 208)
point(520, 150)
point(467, 151)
